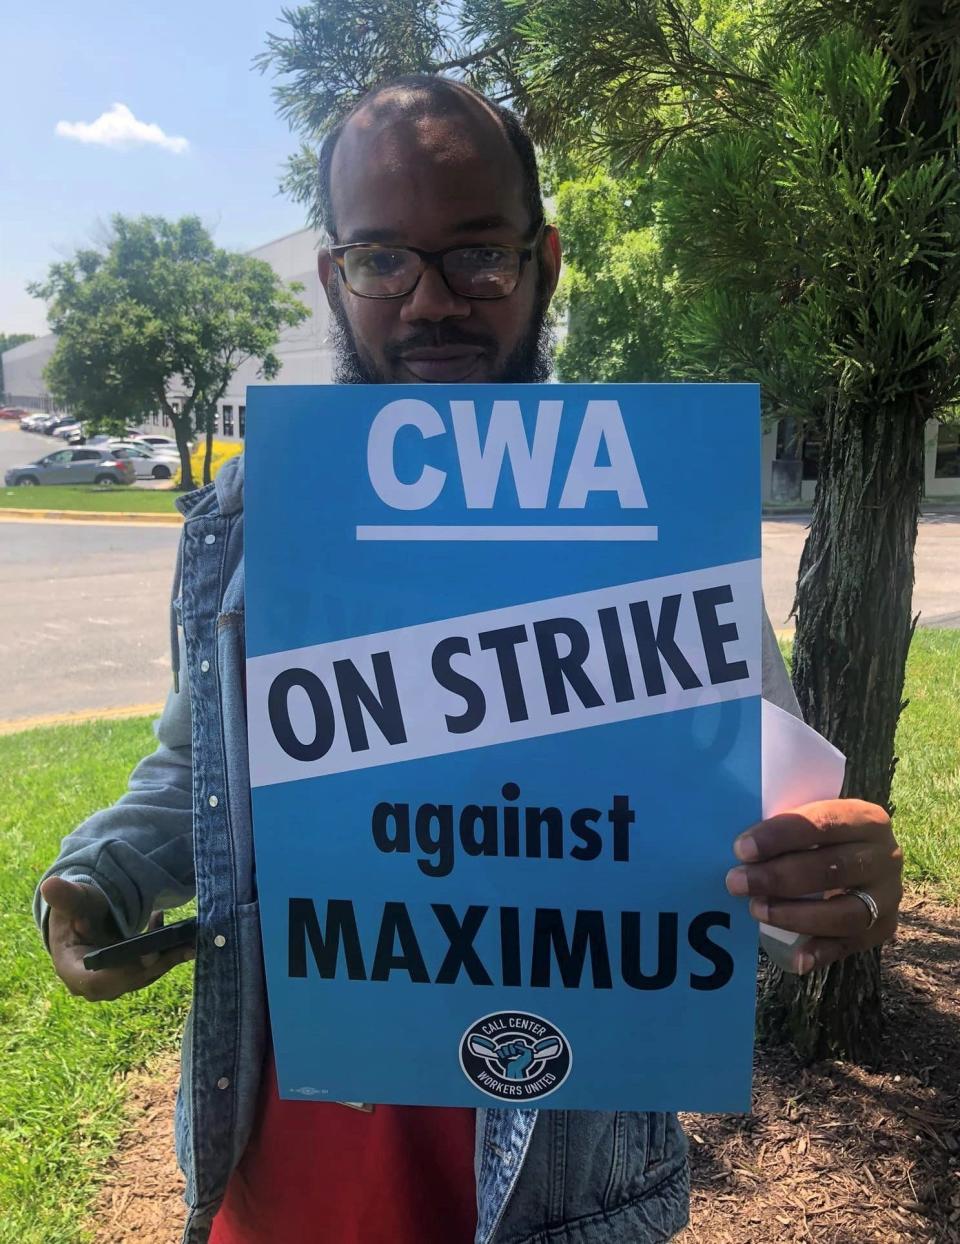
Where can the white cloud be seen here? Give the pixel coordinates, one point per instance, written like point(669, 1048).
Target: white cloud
point(120, 128)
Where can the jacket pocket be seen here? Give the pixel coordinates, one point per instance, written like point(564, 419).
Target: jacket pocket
point(583, 1165)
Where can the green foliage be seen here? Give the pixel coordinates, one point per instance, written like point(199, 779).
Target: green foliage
point(10, 341)
point(613, 79)
point(331, 51)
point(803, 221)
point(61, 1057)
point(161, 301)
point(812, 239)
point(614, 290)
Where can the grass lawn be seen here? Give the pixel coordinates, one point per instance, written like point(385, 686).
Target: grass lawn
point(119, 499)
point(926, 787)
point(60, 1057)
point(60, 1098)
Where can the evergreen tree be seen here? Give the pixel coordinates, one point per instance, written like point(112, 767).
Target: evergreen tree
point(807, 155)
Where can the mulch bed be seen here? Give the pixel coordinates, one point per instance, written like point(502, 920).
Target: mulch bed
point(831, 1153)
point(140, 1199)
point(843, 1155)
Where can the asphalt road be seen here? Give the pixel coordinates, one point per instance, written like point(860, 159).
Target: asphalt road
point(18, 448)
point(83, 616)
point(83, 608)
point(936, 592)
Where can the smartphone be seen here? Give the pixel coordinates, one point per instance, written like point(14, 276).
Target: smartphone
point(182, 933)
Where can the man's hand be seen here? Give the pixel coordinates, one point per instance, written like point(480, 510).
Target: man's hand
point(79, 922)
point(854, 850)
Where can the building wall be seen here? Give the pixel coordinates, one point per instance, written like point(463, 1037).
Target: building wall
point(305, 352)
point(23, 380)
point(944, 485)
point(935, 437)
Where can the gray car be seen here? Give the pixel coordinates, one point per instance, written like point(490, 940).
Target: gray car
point(73, 466)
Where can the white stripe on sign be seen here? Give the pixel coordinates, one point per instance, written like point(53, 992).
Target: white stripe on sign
point(539, 668)
point(423, 531)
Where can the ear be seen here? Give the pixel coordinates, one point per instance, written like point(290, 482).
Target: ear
point(551, 258)
point(327, 270)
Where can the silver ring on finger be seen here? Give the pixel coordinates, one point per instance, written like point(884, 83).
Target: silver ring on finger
point(869, 903)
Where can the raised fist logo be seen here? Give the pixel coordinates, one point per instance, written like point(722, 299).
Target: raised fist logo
point(515, 1057)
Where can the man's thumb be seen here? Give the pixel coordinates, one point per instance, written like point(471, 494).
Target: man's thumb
point(72, 899)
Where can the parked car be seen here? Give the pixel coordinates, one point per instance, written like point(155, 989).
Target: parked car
point(159, 442)
point(30, 421)
point(66, 430)
point(47, 423)
point(13, 412)
point(148, 463)
point(56, 422)
point(73, 466)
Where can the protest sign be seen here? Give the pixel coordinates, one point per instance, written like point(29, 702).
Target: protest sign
point(503, 679)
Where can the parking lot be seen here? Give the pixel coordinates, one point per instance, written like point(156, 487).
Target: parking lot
point(84, 607)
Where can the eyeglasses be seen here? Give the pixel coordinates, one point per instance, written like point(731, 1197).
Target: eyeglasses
point(371, 270)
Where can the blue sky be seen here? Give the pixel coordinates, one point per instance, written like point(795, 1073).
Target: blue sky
point(184, 67)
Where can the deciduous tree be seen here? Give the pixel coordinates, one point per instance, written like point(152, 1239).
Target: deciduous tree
point(161, 303)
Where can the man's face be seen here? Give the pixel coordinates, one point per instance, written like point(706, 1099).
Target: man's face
point(433, 183)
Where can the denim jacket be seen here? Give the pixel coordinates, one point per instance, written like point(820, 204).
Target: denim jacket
point(183, 828)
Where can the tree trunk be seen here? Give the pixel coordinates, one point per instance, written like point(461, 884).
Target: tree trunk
point(854, 626)
point(208, 445)
point(181, 430)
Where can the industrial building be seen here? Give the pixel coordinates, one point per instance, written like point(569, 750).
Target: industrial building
point(306, 358)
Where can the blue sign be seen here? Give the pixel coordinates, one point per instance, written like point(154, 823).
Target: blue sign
point(503, 686)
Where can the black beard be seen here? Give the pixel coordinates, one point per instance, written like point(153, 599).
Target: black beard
point(530, 362)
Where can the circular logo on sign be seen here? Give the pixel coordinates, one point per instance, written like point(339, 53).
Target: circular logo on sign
point(515, 1057)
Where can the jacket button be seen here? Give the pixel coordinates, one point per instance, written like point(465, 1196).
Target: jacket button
point(223, 1083)
point(204, 666)
point(213, 801)
point(211, 539)
point(219, 940)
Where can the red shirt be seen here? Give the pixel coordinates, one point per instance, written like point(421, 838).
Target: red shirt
point(319, 1173)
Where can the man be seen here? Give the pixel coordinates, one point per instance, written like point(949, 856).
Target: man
point(440, 269)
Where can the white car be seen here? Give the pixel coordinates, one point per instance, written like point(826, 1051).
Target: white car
point(147, 462)
point(66, 430)
point(158, 442)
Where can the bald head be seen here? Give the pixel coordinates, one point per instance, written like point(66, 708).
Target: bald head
point(427, 169)
point(422, 120)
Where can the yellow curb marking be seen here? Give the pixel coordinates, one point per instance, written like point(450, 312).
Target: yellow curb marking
point(78, 718)
point(90, 516)
point(58, 522)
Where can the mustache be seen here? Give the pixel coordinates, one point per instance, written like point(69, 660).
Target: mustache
point(439, 335)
